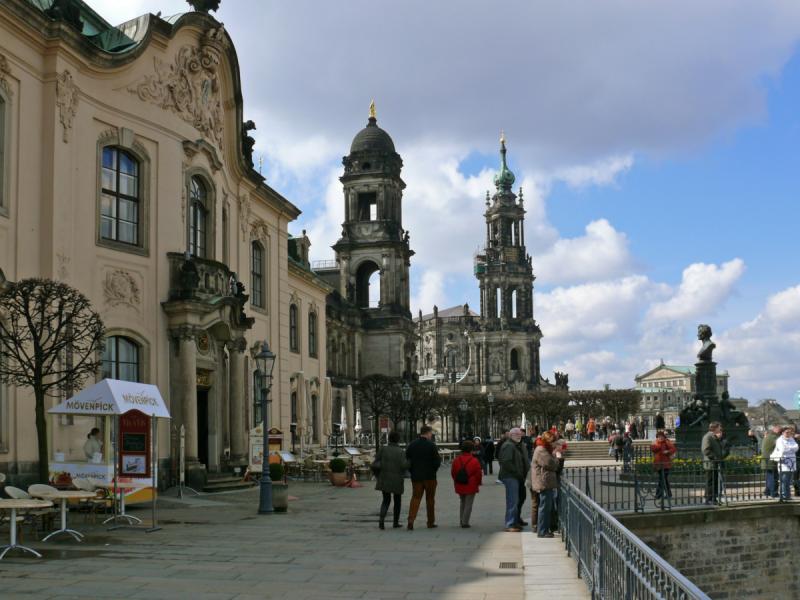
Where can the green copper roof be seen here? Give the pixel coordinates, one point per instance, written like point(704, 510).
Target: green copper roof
point(505, 178)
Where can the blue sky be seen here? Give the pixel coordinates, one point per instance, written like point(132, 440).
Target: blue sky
point(657, 145)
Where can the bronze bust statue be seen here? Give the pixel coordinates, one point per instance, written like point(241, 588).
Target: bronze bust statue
point(704, 335)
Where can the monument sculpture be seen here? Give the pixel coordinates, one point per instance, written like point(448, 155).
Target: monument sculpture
point(706, 405)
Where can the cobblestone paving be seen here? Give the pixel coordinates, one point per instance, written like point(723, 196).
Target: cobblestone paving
point(327, 546)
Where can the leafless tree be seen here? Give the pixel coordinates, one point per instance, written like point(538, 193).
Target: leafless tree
point(374, 392)
point(51, 340)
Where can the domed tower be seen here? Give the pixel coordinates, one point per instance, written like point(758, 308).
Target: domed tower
point(510, 336)
point(374, 248)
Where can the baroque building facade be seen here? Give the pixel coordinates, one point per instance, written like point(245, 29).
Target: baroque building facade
point(497, 350)
point(126, 172)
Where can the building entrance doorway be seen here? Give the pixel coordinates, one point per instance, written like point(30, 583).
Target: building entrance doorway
point(202, 426)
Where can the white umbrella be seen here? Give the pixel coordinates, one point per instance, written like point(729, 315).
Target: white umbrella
point(523, 422)
point(327, 408)
point(358, 420)
point(343, 421)
point(350, 413)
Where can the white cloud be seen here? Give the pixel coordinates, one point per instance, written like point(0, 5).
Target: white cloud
point(602, 172)
point(702, 290)
point(428, 292)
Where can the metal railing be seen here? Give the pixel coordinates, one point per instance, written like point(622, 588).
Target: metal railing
point(615, 563)
point(638, 484)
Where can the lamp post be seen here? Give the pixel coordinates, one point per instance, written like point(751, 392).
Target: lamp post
point(293, 430)
point(490, 402)
point(405, 391)
point(462, 411)
point(265, 361)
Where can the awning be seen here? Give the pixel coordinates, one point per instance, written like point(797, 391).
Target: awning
point(115, 397)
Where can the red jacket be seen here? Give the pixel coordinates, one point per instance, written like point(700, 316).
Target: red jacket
point(663, 451)
point(474, 472)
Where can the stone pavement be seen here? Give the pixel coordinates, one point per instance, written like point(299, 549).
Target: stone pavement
point(328, 546)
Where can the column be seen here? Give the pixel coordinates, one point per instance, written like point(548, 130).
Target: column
point(236, 399)
point(187, 350)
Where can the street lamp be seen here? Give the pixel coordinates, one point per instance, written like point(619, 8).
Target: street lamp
point(462, 409)
point(265, 361)
point(490, 402)
point(293, 431)
point(405, 392)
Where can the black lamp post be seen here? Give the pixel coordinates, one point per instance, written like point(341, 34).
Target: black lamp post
point(293, 431)
point(490, 402)
point(265, 361)
point(405, 391)
point(462, 411)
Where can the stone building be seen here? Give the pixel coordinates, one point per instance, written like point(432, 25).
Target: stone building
point(368, 313)
point(126, 172)
point(667, 389)
point(498, 349)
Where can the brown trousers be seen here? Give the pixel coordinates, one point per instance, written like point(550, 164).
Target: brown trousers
point(534, 509)
point(427, 487)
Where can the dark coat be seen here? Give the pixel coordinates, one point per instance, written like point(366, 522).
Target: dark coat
point(474, 472)
point(660, 424)
point(545, 465)
point(424, 458)
point(393, 467)
point(488, 450)
point(512, 461)
point(714, 450)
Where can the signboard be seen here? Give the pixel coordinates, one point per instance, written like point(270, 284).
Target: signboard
point(134, 456)
point(384, 421)
point(114, 397)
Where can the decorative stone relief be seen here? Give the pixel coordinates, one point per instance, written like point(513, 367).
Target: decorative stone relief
point(259, 231)
point(190, 87)
point(244, 212)
point(62, 270)
point(203, 343)
point(67, 100)
point(5, 72)
point(120, 288)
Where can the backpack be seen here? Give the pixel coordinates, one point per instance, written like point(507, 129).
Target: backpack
point(462, 476)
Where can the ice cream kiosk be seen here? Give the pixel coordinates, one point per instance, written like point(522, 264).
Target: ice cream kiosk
point(129, 412)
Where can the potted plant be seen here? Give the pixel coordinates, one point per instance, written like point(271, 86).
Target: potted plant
point(280, 489)
point(338, 472)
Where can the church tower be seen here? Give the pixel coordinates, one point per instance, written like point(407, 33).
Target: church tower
point(374, 251)
point(509, 334)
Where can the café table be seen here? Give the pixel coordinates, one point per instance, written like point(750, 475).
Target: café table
point(64, 496)
point(121, 488)
point(14, 505)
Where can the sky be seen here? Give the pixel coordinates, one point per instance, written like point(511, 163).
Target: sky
point(657, 145)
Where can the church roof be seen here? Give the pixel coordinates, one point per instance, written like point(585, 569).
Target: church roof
point(453, 311)
point(372, 139)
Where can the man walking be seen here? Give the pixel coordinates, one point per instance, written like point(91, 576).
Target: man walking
point(423, 457)
point(714, 451)
point(512, 471)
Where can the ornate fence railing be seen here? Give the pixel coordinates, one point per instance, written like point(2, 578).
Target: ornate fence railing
point(614, 563)
point(638, 484)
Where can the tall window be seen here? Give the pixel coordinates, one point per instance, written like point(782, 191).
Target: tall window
point(3, 136)
point(257, 274)
point(121, 359)
point(120, 200)
point(198, 198)
point(312, 334)
point(514, 360)
point(294, 342)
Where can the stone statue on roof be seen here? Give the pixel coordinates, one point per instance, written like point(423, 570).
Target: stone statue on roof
point(204, 6)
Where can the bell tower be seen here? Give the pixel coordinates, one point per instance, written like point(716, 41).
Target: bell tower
point(373, 253)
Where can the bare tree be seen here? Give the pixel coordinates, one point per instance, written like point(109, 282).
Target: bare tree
point(374, 392)
point(50, 341)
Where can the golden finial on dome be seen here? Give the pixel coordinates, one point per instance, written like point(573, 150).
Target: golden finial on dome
point(502, 137)
point(372, 113)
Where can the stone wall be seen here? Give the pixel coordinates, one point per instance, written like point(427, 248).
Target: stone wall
point(739, 552)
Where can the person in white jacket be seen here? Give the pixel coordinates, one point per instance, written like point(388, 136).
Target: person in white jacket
point(785, 454)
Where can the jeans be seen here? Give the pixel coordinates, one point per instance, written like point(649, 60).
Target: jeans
point(786, 484)
point(512, 500)
point(428, 487)
point(546, 498)
point(663, 490)
point(772, 481)
point(488, 467)
point(712, 485)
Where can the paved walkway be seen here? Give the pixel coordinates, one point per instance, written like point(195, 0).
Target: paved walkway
point(216, 547)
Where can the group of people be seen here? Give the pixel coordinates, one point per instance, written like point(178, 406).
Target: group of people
point(594, 429)
point(528, 466)
point(779, 460)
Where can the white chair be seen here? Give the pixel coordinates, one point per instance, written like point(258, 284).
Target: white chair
point(16, 493)
point(32, 516)
point(40, 489)
point(96, 504)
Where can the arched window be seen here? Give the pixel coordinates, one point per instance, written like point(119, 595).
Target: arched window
point(121, 359)
point(294, 342)
point(198, 214)
point(257, 296)
point(120, 202)
point(312, 334)
point(293, 407)
point(514, 360)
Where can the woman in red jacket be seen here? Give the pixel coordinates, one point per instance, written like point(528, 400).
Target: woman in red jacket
point(663, 452)
point(467, 477)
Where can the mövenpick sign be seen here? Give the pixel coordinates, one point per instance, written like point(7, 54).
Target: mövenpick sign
point(115, 397)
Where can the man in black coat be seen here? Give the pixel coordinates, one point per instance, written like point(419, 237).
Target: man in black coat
point(488, 456)
point(423, 457)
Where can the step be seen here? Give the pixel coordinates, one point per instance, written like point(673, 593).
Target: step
point(223, 484)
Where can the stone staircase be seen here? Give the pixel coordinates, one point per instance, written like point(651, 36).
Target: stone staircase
point(597, 450)
point(224, 482)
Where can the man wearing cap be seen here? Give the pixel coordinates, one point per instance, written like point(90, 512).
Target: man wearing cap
point(512, 471)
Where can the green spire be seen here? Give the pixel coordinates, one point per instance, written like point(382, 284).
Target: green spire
point(505, 178)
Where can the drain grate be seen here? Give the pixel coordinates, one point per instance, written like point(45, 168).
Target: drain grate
point(508, 565)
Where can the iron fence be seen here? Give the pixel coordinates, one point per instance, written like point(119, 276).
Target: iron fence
point(639, 484)
point(614, 563)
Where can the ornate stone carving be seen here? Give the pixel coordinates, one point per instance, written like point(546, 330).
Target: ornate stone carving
point(190, 87)
point(67, 100)
point(203, 342)
point(203, 378)
point(244, 212)
point(120, 288)
point(259, 231)
point(5, 72)
point(62, 270)
point(204, 6)
point(248, 141)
